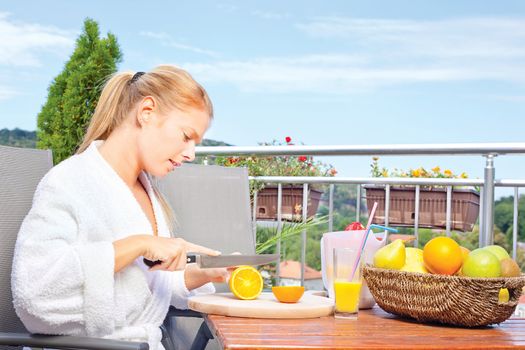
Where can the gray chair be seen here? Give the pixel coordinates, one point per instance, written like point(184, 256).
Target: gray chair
point(212, 208)
point(20, 171)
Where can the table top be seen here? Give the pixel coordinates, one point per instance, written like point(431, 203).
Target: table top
point(375, 329)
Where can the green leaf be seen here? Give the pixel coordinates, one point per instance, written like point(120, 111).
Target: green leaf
point(289, 230)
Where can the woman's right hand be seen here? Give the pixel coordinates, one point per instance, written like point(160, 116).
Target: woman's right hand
point(171, 252)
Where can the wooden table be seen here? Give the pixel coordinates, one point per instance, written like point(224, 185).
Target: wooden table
point(375, 329)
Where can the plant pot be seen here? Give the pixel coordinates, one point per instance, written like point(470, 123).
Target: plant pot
point(432, 207)
point(292, 203)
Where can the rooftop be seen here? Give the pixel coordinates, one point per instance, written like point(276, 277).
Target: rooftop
point(292, 269)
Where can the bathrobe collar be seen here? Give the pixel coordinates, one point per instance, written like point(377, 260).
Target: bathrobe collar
point(162, 228)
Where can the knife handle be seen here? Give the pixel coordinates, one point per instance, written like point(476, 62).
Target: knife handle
point(150, 263)
point(189, 259)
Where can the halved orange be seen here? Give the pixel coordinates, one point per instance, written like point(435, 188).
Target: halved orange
point(288, 294)
point(246, 282)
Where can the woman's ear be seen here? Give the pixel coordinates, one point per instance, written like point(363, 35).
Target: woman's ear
point(146, 108)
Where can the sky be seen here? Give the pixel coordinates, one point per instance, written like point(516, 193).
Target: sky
point(322, 72)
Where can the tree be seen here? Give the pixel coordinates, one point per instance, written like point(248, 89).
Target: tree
point(504, 216)
point(345, 204)
point(503, 213)
point(73, 94)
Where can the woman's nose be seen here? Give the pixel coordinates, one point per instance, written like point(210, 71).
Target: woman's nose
point(189, 153)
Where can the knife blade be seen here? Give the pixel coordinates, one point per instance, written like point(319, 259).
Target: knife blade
point(209, 261)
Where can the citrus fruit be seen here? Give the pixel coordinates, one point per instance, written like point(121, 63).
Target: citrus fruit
point(442, 255)
point(246, 282)
point(288, 294)
point(464, 252)
point(481, 263)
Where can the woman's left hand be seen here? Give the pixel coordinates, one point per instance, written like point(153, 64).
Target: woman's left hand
point(195, 276)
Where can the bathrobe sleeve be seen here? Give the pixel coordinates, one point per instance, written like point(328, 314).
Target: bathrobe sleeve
point(62, 283)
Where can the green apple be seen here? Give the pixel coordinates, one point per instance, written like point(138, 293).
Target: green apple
point(500, 252)
point(481, 263)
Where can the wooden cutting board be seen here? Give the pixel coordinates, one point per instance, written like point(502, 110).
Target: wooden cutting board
point(266, 306)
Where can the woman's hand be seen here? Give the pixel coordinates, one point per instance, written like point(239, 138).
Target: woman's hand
point(172, 252)
point(194, 276)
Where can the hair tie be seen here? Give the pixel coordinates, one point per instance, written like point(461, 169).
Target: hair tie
point(136, 77)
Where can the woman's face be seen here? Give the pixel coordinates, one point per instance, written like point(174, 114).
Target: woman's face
point(166, 141)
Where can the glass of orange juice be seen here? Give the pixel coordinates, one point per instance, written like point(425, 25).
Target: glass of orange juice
point(348, 280)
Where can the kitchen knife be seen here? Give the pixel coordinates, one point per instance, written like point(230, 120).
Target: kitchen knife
point(209, 261)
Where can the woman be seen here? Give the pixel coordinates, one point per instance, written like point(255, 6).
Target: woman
point(78, 267)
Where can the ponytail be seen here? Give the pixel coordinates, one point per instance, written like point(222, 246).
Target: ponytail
point(110, 111)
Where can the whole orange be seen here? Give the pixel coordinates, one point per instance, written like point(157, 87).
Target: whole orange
point(442, 255)
point(464, 252)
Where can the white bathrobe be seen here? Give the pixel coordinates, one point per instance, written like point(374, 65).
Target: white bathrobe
point(63, 278)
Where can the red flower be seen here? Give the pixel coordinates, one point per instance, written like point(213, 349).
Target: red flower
point(232, 160)
point(354, 226)
point(288, 139)
point(302, 158)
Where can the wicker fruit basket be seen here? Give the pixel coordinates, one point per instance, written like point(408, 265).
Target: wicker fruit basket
point(452, 300)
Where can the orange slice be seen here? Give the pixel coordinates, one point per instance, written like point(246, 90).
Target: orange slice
point(288, 294)
point(246, 282)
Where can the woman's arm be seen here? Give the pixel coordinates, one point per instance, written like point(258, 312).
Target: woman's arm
point(128, 249)
point(61, 284)
point(170, 251)
point(195, 277)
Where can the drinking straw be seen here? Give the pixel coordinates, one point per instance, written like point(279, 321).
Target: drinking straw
point(372, 214)
point(386, 228)
point(365, 237)
point(362, 248)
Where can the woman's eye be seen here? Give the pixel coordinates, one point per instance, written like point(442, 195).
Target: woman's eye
point(186, 137)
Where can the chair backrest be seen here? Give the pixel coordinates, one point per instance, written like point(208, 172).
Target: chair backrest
point(20, 172)
point(212, 206)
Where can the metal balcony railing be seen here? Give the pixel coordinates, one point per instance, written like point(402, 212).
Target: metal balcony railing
point(487, 185)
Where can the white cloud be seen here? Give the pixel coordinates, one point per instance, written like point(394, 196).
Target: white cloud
point(166, 40)
point(7, 92)
point(271, 15)
point(375, 53)
point(317, 74)
point(333, 74)
point(227, 7)
point(22, 43)
point(465, 37)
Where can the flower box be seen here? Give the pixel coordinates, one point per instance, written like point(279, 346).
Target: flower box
point(432, 207)
point(292, 203)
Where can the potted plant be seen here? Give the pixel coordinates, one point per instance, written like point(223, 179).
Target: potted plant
point(432, 200)
point(292, 194)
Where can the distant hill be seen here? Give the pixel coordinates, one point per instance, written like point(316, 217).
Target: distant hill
point(18, 138)
point(207, 142)
point(27, 139)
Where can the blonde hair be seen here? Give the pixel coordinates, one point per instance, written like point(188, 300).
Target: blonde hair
point(170, 86)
